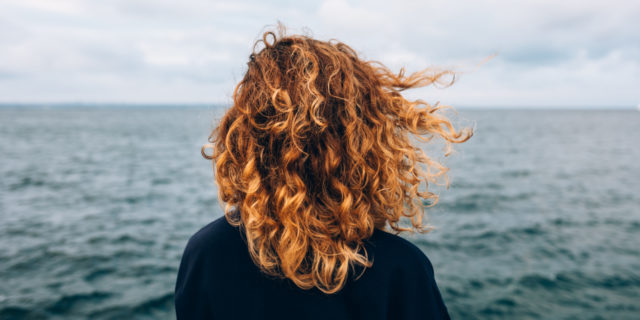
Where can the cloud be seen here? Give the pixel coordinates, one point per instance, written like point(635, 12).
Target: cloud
point(549, 53)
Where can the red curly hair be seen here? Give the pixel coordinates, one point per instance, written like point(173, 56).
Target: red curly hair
point(315, 154)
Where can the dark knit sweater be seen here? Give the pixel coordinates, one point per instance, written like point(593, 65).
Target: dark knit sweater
point(218, 280)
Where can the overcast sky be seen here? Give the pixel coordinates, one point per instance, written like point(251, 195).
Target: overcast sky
point(549, 53)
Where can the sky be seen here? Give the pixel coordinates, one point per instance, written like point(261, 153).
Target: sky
point(545, 54)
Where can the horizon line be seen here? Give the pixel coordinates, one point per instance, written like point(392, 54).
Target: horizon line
point(221, 104)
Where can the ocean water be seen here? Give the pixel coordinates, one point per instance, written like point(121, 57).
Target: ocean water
point(541, 220)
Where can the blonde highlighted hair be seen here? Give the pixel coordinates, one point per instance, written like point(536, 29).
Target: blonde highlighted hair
point(315, 154)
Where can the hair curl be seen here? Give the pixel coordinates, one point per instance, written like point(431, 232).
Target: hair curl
point(315, 154)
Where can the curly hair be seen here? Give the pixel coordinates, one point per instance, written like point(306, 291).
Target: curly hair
point(315, 154)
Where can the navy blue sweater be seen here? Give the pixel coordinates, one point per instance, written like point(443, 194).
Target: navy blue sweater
point(218, 280)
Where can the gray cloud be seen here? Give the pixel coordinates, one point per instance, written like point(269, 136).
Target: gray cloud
point(549, 53)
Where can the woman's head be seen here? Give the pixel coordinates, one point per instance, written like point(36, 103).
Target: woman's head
point(315, 154)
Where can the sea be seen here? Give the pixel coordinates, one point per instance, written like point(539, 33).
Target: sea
point(541, 218)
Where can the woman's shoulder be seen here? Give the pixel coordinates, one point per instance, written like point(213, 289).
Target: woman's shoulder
point(217, 237)
point(393, 250)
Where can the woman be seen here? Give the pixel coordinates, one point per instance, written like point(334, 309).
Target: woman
point(314, 163)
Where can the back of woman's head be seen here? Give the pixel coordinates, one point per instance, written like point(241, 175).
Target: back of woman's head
point(315, 154)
